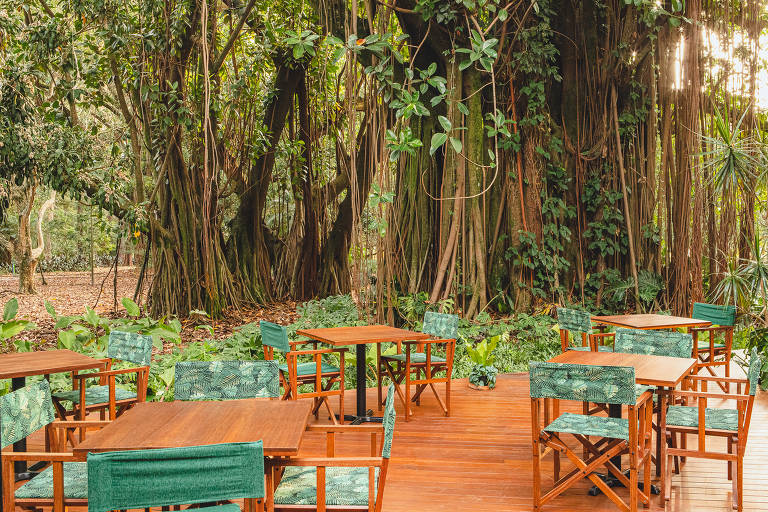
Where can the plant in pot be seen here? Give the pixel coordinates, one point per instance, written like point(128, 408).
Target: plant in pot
point(483, 374)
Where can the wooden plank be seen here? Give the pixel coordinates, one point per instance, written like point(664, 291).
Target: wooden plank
point(342, 336)
point(649, 370)
point(45, 362)
point(649, 321)
point(280, 424)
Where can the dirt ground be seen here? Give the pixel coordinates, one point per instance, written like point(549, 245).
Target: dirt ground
point(71, 292)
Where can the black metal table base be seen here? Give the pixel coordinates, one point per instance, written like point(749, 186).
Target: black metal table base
point(351, 419)
point(612, 481)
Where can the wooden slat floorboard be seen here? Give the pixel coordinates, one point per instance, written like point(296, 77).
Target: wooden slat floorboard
point(480, 459)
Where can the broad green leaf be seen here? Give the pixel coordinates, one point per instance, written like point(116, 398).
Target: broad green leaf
point(456, 144)
point(50, 309)
point(445, 123)
point(438, 140)
point(11, 308)
point(131, 307)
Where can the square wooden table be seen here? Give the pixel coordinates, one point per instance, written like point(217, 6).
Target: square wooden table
point(649, 321)
point(664, 372)
point(279, 424)
point(360, 336)
point(17, 366)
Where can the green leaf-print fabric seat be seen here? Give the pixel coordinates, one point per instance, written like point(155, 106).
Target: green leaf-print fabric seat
point(25, 411)
point(615, 428)
point(226, 380)
point(583, 383)
point(416, 357)
point(276, 336)
point(41, 485)
point(439, 325)
point(344, 486)
point(96, 395)
point(303, 369)
point(575, 324)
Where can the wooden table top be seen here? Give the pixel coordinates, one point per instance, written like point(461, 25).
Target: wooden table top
point(341, 336)
point(280, 424)
point(649, 321)
point(44, 362)
point(649, 370)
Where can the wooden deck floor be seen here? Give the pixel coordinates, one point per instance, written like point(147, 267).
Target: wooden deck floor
point(480, 459)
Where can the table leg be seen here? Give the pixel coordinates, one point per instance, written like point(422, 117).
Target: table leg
point(362, 414)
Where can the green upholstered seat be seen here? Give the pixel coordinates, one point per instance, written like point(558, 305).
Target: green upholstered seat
point(303, 369)
point(226, 380)
point(580, 348)
point(416, 357)
point(137, 479)
point(615, 428)
point(41, 486)
point(95, 395)
point(704, 345)
point(344, 486)
point(719, 419)
point(642, 388)
point(653, 342)
point(130, 346)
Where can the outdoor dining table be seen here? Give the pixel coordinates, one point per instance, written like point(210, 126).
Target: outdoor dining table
point(649, 321)
point(279, 424)
point(360, 336)
point(663, 372)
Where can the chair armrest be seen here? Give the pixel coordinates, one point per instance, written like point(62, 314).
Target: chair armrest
point(602, 334)
point(712, 328)
point(713, 378)
point(330, 461)
point(83, 376)
point(318, 351)
point(42, 456)
point(370, 429)
point(647, 395)
point(429, 341)
point(718, 396)
point(79, 424)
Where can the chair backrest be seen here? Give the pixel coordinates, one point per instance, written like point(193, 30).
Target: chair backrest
point(24, 411)
point(718, 315)
point(583, 383)
point(753, 374)
point(130, 346)
point(275, 336)
point(174, 476)
point(226, 380)
point(574, 320)
point(441, 325)
point(388, 421)
point(655, 342)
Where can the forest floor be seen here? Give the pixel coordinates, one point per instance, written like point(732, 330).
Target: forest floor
point(71, 292)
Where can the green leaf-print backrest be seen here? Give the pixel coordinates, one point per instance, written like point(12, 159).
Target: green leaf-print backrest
point(389, 422)
point(755, 364)
point(655, 342)
point(582, 382)
point(137, 479)
point(226, 380)
point(441, 325)
point(574, 320)
point(130, 346)
point(24, 411)
point(718, 315)
point(275, 336)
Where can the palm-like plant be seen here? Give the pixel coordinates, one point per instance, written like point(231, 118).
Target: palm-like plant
point(755, 272)
point(734, 156)
point(734, 287)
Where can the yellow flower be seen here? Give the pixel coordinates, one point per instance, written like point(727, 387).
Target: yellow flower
point(137, 234)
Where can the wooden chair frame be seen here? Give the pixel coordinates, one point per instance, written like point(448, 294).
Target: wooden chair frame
point(706, 358)
point(375, 460)
point(321, 392)
point(56, 437)
point(639, 448)
point(736, 441)
point(420, 374)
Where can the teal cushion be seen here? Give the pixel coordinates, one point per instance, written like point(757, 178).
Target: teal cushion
point(95, 395)
point(311, 368)
point(704, 345)
point(580, 349)
point(641, 388)
point(718, 419)
point(344, 486)
point(416, 357)
point(227, 507)
point(615, 428)
point(41, 486)
point(605, 348)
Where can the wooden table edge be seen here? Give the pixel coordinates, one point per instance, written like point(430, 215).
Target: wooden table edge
point(415, 336)
point(94, 363)
point(702, 323)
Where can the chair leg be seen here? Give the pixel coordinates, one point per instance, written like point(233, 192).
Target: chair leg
point(379, 376)
point(448, 397)
point(730, 462)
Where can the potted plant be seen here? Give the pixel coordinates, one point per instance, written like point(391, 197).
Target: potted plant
point(483, 374)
